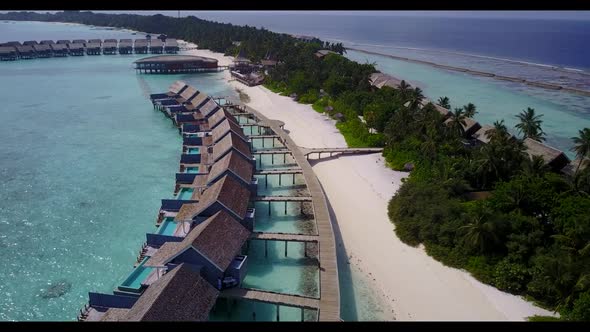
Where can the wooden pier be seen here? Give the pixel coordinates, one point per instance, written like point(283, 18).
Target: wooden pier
point(277, 299)
point(283, 199)
point(284, 237)
point(279, 171)
point(329, 302)
point(331, 151)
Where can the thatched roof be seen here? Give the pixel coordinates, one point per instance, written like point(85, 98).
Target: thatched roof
point(209, 107)
point(218, 116)
point(234, 163)
point(164, 254)
point(170, 42)
point(188, 94)
point(482, 134)
point(225, 127)
point(229, 142)
point(470, 127)
point(198, 100)
point(156, 43)
point(323, 53)
point(115, 315)
point(180, 295)
point(380, 79)
point(177, 86)
point(553, 157)
point(228, 191)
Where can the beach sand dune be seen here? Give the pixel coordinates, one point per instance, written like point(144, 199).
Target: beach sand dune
point(414, 285)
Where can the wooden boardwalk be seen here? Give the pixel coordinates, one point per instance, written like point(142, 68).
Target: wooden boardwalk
point(283, 199)
point(275, 151)
point(283, 237)
point(263, 136)
point(297, 301)
point(331, 151)
point(279, 171)
point(329, 303)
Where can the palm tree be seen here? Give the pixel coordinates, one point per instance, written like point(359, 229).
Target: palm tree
point(404, 90)
point(469, 110)
point(444, 102)
point(480, 232)
point(535, 166)
point(530, 125)
point(582, 146)
point(499, 132)
point(457, 122)
point(415, 98)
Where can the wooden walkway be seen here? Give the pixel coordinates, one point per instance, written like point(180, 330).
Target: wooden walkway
point(263, 136)
point(331, 151)
point(283, 237)
point(329, 303)
point(278, 171)
point(297, 301)
point(283, 199)
point(275, 151)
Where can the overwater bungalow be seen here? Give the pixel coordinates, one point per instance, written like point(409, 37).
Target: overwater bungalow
point(231, 142)
point(171, 46)
point(26, 52)
point(125, 46)
point(59, 50)
point(556, 159)
point(156, 46)
point(227, 194)
point(8, 53)
point(174, 91)
point(79, 41)
point(43, 50)
point(76, 49)
point(109, 46)
point(225, 127)
point(215, 244)
point(98, 41)
point(64, 41)
point(46, 42)
point(181, 294)
point(30, 42)
point(235, 165)
point(197, 102)
point(169, 64)
point(93, 47)
point(140, 46)
point(11, 43)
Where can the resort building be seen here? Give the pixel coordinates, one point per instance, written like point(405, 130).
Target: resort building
point(169, 64)
point(322, 53)
point(171, 46)
point(26, 52)
point(156, 46)
point(8, 53)
point(30, 42)
point(76, 49)
point(109, 46)
point(554, 158)
point(141, 46)
point(43, 50)
point(482, 135)
point(125, 46)
point(93, 47)
point(47, 42)
point(59, 50)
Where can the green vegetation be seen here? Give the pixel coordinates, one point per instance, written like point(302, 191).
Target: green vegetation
point(528, 230)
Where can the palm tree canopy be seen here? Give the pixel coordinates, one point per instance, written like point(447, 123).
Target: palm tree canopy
point(530, 125)
point(582, 143)
point(470, 110)
point(444, 102)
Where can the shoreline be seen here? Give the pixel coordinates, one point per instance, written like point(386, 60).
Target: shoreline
point(406, 276)
point(548, 86)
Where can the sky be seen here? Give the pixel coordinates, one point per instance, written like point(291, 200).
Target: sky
point(569, 15)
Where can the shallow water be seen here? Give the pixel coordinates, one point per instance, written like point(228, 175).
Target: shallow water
point(85, 163)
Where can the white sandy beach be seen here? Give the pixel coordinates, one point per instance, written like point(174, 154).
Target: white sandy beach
point(358, 188)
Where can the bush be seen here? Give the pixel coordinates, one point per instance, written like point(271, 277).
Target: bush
point(511, 277)
point(581, 308)
point(480, 269)
point(310, 97)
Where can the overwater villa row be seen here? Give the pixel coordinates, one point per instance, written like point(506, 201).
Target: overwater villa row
point(31, 49)
point(200, 254)
point(476, 134)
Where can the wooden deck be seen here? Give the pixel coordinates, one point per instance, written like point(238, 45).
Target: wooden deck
point(329, 303)
point(331, 151)
point(264, 136)
point(271, 297)
point(283, 199)
point(275, 151)
point(284, 237)
point(279, 171)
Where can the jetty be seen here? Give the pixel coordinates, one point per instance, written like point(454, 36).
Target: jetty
point(344, 151)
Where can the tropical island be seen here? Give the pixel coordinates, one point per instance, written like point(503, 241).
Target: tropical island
point(489, 203)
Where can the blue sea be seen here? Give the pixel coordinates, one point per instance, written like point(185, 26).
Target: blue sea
point(530, 46)
point(85, 159)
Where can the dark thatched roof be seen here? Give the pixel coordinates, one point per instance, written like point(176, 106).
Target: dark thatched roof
point(177, 86)
point(218, 116)
point(553, 157)
point(228, 191)
point(228, 142)
point(179, 295)
point(209, 107)
point(225, 127)
point(482, 134)
point(235, 164)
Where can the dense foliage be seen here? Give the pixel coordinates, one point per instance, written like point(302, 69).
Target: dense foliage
point(488, 208)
